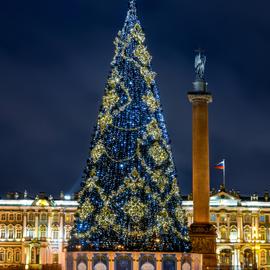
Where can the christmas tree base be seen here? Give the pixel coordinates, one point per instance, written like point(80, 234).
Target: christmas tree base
point(203, 239)
point(132, 261)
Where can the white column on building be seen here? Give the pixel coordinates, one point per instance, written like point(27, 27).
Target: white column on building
point(61, 238)
point(49, 225)
point(237, 257)
point(24, 224)
point(228, 227)
point(43, 255)
point(240, 227)
point(36, 224)
point(218, 220)
point(61, 227)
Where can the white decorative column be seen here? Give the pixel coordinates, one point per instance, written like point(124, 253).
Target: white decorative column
point(24, 224)
point(61, 238)
point(49, 225)
point(239, 227)
point(36, 225)
point(228, 227)
point(61, 227)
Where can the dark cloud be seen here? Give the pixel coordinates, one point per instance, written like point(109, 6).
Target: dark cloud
point(54, 60)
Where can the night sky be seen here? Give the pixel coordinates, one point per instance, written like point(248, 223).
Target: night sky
point(54, 61)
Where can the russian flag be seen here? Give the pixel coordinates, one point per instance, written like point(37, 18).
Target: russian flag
point(220, 165)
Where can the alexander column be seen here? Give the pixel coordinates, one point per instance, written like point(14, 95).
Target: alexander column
point(202, 233)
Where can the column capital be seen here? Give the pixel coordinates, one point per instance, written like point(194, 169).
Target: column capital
point(200, 97)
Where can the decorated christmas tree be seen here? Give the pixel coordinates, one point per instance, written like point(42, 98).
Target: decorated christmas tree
point(129, 199)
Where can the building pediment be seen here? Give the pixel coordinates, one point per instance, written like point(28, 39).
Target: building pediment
point(223, 198)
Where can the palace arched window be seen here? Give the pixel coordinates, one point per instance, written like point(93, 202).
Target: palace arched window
point(247, 218)
point(3, 216)
point(10, 232)
point(233, 217)
point(55, 217)
point(10, 255)
point(11, 217)
point(262, 233)
point(67, 232)
point(3, 232)
point(225, 257)
point(67, 218)
point(17, 256)
point(19, 217)
point(2, 255)
point(223, 233)
point(43, 231)
point(247, 234)
point(55, 232)
point(18, 232)
point(233, 234)
point(263, 257)
point(31, 217)
point(213, 217)
point(30, 231)
point(43, 217)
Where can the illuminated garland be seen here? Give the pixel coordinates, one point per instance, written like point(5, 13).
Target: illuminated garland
point(130, 199)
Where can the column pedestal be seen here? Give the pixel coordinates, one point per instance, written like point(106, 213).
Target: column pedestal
point(203, 239)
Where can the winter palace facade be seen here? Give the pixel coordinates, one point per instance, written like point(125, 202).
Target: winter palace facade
point(35, 231)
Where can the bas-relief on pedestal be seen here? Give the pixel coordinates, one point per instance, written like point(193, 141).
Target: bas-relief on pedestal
point(132, 261)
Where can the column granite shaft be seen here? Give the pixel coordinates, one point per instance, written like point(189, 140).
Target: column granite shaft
point(200, 156)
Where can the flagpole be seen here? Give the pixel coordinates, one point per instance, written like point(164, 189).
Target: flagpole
point(224, 175)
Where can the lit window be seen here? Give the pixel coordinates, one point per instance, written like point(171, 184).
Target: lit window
point(262, 218)
point(247, 218)
point(9, 256)
point(67, 218)
point(18, 233)
point(2, 232)
point(43, 217)
point(223, 218)
point(263, 257)
point(55, 258)
point(223, 233)
point(233, 217)
point(43, 231)
point(31, 217)
point(2, 255)
point(247, 234)
point(262, 234)
point(55, 217)
point(233, 235)
point(17, 256)
point(30, 232)
point(213, 217)
point(68, 230)
point(10, 233)
point(55, 234)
